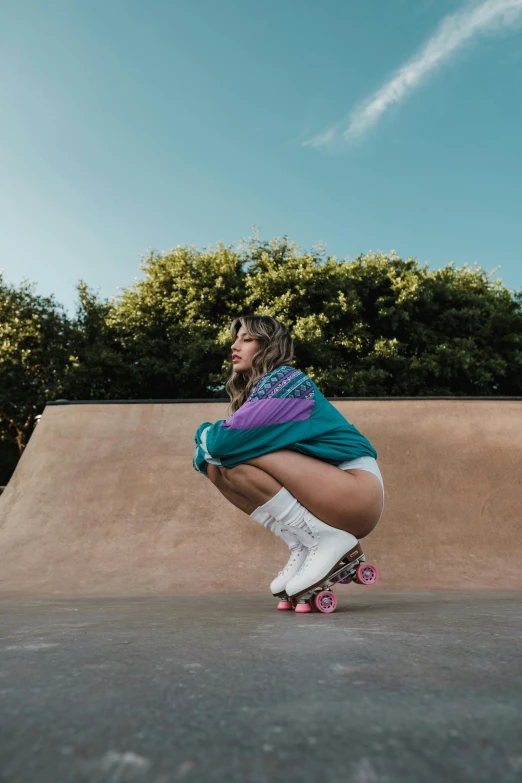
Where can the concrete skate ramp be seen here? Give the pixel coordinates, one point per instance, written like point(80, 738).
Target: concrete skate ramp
point(105, 502)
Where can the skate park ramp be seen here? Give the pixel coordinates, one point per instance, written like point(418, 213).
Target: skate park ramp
point(105, 502)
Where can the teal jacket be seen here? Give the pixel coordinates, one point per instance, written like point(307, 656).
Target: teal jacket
point(285, 410)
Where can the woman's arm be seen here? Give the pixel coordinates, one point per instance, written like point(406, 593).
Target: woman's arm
point(201, 455)
point(268, 421)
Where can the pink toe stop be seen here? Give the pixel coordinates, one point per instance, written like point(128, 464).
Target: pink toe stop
point(303, 608)
point(283, 606)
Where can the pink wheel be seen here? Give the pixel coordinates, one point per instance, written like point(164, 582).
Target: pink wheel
point(367, 574)
point(346, 580)
point(325, 602)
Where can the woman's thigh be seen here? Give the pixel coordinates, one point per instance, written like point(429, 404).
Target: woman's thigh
point(349, 500)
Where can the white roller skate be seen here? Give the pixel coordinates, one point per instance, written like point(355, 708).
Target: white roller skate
point(298, 554)
point(320, 555)
point(335, 556)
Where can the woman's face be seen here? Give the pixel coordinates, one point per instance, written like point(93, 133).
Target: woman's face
point(243, 350)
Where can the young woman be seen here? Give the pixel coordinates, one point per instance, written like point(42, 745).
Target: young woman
point(290, 460)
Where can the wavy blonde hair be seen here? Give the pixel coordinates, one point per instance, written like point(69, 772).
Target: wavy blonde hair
point(275, 348)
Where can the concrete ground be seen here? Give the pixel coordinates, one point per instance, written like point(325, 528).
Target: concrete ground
point(418, 687)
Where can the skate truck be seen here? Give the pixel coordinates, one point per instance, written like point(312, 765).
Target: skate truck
point(351, 568)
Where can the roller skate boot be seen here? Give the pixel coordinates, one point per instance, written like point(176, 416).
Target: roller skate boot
point(335, 556)
point(298, 553)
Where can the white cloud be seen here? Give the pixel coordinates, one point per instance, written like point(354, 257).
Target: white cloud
point(454, 31)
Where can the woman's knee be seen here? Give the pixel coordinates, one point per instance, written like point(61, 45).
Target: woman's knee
point(214, 473)
point(229, 477)
point(238, 473)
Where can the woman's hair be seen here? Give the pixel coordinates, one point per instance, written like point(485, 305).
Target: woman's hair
point(275, 348)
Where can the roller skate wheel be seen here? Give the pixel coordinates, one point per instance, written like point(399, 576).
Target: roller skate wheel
point(367, 574)
point(283, 606)
point(303, 608)
point(346, 580)
point(325, 602)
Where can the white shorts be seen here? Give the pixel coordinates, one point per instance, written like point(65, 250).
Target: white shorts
point(365, 463)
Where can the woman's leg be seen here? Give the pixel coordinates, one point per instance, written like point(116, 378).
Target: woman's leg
point(347, 500)
point(252, 488)
point(323, 509)
point(255, 488)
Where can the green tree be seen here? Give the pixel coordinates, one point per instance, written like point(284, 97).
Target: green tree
point(34, 352)
point(381, 326)
point(98, 368)
point(169, 323)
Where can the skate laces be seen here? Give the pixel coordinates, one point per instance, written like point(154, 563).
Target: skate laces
point(296, 552)
point(311, 553)
point(311, 550)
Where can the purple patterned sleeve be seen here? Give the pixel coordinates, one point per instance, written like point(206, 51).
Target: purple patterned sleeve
point(275, 410)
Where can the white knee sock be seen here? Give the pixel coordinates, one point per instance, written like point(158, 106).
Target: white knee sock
point(288, 512)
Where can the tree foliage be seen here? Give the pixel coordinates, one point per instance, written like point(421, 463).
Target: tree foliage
point(34, 334)
point(374, 326)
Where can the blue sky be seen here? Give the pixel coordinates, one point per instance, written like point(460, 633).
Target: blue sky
point(367, 125)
